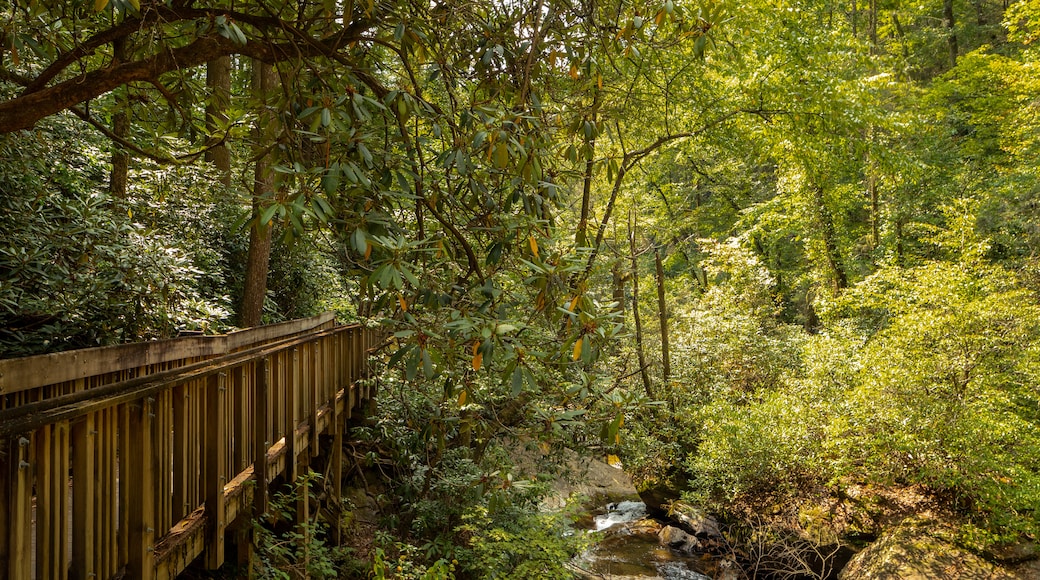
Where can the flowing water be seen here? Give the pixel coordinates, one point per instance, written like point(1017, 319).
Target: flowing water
point(630, 549)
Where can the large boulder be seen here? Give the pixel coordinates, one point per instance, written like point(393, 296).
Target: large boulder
point(694, 520)
point(922, 548)
point(575, 476)
point(678, 540)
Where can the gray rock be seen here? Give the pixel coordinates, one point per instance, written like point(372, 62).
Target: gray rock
point(1015, 553)
point(695, 520)
point(678, 539)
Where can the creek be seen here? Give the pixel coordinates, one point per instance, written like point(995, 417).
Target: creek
point(630, 548)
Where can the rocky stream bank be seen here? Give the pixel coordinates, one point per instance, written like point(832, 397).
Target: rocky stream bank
point(645, 537)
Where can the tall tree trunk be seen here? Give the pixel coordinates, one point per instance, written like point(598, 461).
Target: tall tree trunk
point(902, 35)
point(662, 315)
point(950, 24)
point(635, 304)
point(618, 281)
point(830, 241)
point(218, 81)
point(875, 207)
point(265, 83)
point(872, 193)
point(899, 241)
point(581, 237)
point(853, 17)
point(872, 23)
point(120, 128)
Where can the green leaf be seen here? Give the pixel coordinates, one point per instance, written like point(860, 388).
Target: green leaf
point(517, 381)
point(501, 156)
point(236, 33)
point(397, 356)
point(268, 214)
point(360, 240)
point(329, 183)
point(411, 365)
point(504, 328)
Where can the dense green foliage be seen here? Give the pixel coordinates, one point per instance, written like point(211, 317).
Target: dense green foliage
point(831, 222)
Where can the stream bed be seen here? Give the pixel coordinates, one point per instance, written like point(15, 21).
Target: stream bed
point(630, 549)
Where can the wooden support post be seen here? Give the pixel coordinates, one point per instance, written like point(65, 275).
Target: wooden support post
point(303, 508)
point(241, 417)
point(182, 470)
point(136, 469)
point(216, 468)
point(7, 475)
point(312, 389)
point(337, 473)
point(109, 489)
point(355, 374)
point(244, 555)
point(291, 414)
point(44, 500)
point(124, 476)
point(19, 471)
point(260, 439)
point(52, 504)
point(85, 563)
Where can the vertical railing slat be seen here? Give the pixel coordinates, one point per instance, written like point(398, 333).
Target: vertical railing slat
point(20, 472)
point(260, 435)
point(310, 387)
point(292, 399)
point(216, 455)
point(137, 469)
point(84, 499)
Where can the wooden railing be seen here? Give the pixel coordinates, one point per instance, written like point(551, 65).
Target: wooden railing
point(134, 460)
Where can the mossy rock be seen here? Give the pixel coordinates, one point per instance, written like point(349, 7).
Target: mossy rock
point(921, 548)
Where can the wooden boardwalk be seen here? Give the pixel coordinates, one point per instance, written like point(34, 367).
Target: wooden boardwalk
point(135, 460)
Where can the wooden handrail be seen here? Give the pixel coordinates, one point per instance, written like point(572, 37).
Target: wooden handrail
point(30, 416)
point(20, 374)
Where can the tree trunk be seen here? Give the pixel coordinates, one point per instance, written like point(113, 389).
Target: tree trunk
point(662, 315)
point(581, 237)
point(853, 17)
point(120, 128)
point(830, 241)
point(265, 83)
point(902, 36)
point(950, 24)
point(875, 208)
point(899, 241)
point(872, 193)
point(618, 280)
point(218, 81)
point(635, 305)
point(872, 23)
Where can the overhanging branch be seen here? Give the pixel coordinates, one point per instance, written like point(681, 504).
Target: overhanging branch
point(26, 110)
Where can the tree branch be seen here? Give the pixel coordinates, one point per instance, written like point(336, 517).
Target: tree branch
point(26, 110)
point(630, 160)
point(160, 159)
